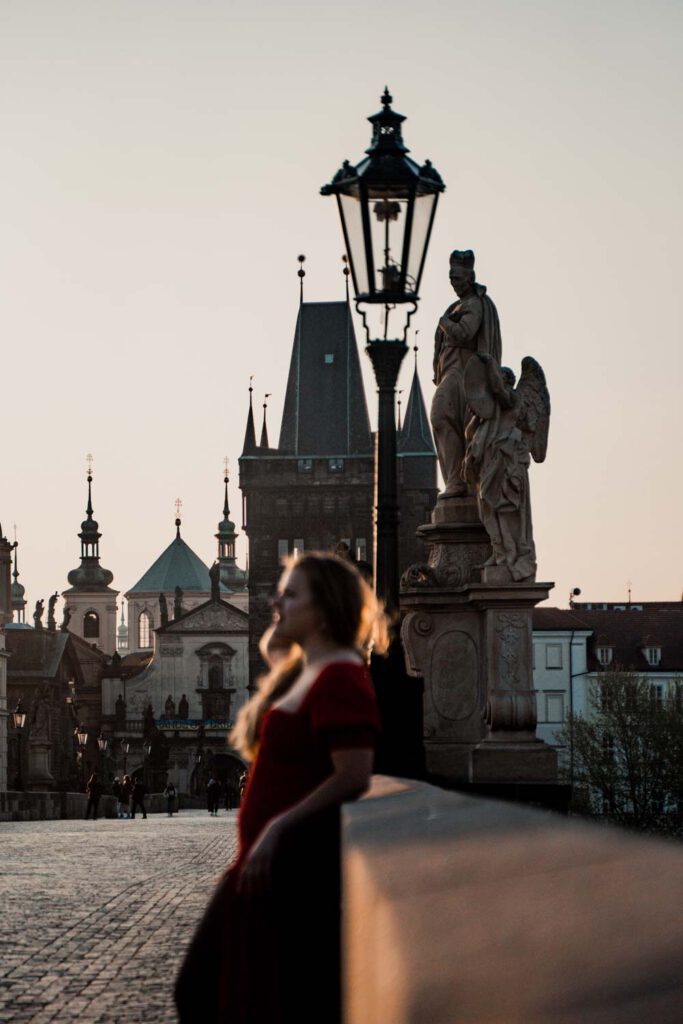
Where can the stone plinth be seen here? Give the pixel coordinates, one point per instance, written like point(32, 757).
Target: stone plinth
point(39, 775)
point(470, 639)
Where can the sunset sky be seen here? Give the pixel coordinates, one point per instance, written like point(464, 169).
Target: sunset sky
point(161, 166)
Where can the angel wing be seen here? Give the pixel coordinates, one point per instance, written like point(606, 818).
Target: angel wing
point(534, 408)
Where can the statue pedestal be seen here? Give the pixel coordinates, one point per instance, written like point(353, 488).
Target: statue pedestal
point(471, 642)
point(39, 775)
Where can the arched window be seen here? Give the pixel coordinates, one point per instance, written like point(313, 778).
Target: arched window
point(144, 629)
point(91, 625)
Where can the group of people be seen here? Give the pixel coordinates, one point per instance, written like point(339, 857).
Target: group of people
point(231, 790)
point(130, 796)
point(267, 950)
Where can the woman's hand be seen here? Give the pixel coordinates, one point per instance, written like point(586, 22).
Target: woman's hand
point(256, 871)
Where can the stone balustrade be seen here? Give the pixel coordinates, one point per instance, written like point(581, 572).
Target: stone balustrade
point(461, 910)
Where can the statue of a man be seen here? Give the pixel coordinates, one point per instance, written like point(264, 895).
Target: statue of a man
point(38, 614)
point(215, 576)
point(66, 618)
point(178, 603)
point(469, 325)
point(163, 610)
point(51, 621)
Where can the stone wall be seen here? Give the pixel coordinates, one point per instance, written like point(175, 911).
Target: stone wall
point(464, 909)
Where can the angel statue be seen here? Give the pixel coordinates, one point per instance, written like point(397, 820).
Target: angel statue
point(509, 424)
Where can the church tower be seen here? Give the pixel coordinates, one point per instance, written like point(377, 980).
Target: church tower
point(233, 578)
point(18, 590)
point(90, 600)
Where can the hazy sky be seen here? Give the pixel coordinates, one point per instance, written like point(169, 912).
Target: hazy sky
point(161, 161)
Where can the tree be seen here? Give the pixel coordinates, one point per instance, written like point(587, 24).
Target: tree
point(628, 754)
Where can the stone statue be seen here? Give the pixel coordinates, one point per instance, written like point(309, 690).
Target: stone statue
point(169, 707)
point(40, 718)
point(469, 325)
point(115, 667)
point(183, 707)
point(66, 619)
point(215, 574)
point(178, 603)
point(51, 621)
point(148, 725)
point(38, 614)
point(509, 425)
point(163, 610)
point(120, 712)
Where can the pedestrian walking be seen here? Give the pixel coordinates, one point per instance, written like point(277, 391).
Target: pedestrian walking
point(267, 948)
point(94, 791)
point(170, 794)
point(138, 797)
point(244, 779)
point(213, 795)
point(126, 790)
point(116, 792)
point(231, 794)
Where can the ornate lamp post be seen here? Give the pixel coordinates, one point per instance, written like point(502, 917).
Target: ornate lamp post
point(125, 747)
point(82, 737)
point(19, 721)
point(102, 743)
point(386, 204)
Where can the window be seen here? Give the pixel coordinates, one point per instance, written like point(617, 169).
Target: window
point(361, 549)
point(282, 549)
point(91, 626)
point(298, 548)
point(605, 655)
point(335, 465)
point(658, 692)
point(144, 629)
point(329, 358)
point(305, 465)
point(553, 655)
point(653, 655)
point(554, 707)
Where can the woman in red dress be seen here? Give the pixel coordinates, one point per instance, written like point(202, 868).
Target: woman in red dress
point(267, 949)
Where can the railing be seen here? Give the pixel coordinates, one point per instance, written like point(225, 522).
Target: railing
point(135, 726)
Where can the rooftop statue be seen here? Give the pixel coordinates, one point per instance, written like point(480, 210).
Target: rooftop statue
point(38, 614)
point(178, 603)
point(163, 610)
point(468, 326)
point(509, 426)
point(51, 621)
point(215, 576)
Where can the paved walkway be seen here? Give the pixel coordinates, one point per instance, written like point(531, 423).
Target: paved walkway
point(95, 916)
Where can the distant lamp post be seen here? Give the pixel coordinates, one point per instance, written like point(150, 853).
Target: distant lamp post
point(81, 734)
point(102, 743)
point(387, 204)
point(19, 721)
point(125, 747)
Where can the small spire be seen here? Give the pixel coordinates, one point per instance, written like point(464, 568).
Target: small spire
point(226, 480)
point(178, 506)
point(415, 348)
point(15, 574)
point(264, 430)
point(399, 408)
point(346, 271)
point(387, 98)
point(89, 509)
point(301, 273)
point(249, 446)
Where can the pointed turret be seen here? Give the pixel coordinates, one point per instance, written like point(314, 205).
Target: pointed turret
point(90, 600)
point(231, 576)
point(18, 591)
point(415, 437)
point(249, 446)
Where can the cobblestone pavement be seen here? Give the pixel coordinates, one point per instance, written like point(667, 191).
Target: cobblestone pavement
point(95, 916)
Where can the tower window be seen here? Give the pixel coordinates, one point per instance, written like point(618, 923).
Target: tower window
point(605, 655)
point(305, 465)
point(144, 629)
point(335, 465)
point(91, 626)
point(329, 358)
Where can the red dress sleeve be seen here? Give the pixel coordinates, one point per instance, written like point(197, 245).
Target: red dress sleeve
point(343, 707)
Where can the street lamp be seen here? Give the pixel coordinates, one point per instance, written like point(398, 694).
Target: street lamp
point(19, 721)
point(81, 734)
point(102, 743)
point(387, 204)
point(125, 747)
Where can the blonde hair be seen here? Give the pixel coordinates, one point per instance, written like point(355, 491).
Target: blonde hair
point(353, 618)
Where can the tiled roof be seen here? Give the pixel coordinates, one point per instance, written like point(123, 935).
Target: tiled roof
point(325, 412)
point(659, 624)
point(177, 566)
point(35, 652)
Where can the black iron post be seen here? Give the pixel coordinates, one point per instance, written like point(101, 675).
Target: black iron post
point(19, 719)
point(386, 357)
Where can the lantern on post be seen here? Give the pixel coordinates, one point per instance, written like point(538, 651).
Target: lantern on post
point(386, 204)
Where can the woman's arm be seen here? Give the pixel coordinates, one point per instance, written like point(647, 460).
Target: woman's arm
point(350, 778)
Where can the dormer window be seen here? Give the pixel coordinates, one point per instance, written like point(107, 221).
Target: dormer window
point(653, 655)
point(605, 655)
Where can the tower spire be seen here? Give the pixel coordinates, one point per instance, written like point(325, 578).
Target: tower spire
point(415, 436)
point(18, 591)
point(178, 507)
point(231, 577)
point(301, 273)
point(264, 430)
point(249, 446)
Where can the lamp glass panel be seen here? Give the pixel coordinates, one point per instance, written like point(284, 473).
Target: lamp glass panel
point(387, 226)
point(422, 217)
point(352, 217)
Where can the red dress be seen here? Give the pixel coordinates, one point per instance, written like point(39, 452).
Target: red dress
point(264, 939)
